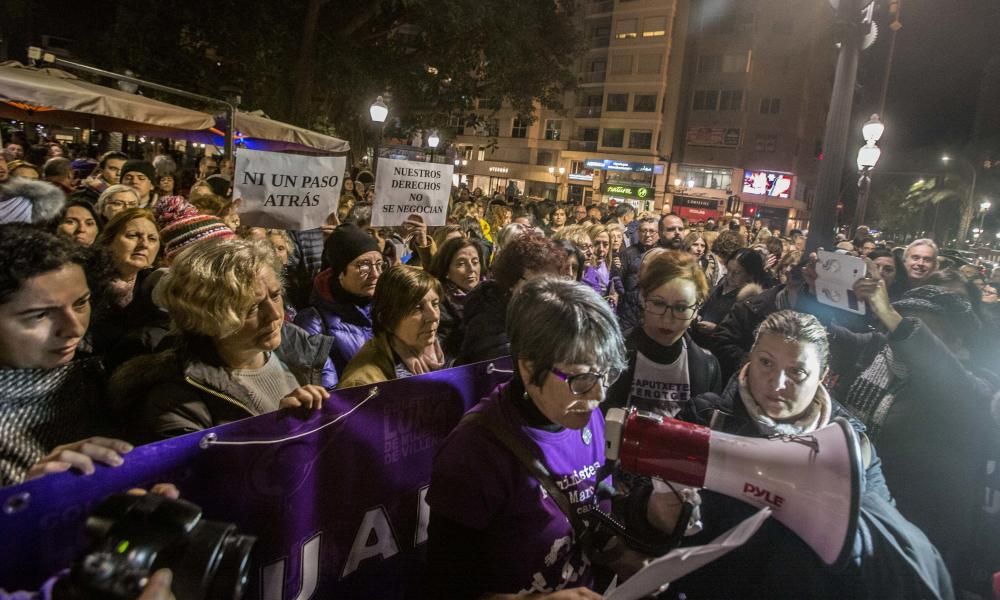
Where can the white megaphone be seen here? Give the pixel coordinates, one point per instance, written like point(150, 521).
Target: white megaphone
point(812, 482)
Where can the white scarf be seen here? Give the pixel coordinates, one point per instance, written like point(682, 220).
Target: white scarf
point(816, 416)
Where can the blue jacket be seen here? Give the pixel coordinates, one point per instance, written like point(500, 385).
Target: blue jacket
point(349, 324)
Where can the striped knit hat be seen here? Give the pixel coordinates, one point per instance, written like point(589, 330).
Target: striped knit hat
point(181, 225)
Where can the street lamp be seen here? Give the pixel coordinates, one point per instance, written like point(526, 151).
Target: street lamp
point(458, 171)
point(868, 157)
point(556, 179)
point(378, 111)
point(432, 141)
point(983, 209)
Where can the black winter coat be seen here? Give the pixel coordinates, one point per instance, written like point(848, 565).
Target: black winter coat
point(484, 322)
point(629, 309)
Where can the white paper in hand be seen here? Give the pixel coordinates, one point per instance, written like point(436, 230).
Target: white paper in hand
point(836, 274)
point(678, 563)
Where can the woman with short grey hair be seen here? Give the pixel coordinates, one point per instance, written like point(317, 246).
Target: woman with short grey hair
point(491, 531)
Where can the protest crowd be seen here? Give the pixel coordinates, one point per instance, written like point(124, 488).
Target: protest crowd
point(135, 307)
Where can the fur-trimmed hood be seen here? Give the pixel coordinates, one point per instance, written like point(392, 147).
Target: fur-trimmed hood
point(30, 201)
point(748, 291)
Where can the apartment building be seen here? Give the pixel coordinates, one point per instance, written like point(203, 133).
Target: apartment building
point(697, 106)
point(758, 75)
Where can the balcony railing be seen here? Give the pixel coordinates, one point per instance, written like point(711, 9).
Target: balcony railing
point(588, 112)
point(593, 77)
point(599, 42)
point(581, 146)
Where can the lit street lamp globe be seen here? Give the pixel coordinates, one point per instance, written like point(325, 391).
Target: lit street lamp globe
point(872, 130)
point(378, 110)
point(433, 140)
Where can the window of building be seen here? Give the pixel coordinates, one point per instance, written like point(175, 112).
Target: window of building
point(727, 23)
point(626, 29)
point(706, 100)
point(640, 138)
point(736, 63)
point(766, 142)
point(553, 129)
point(613, 138)
point(644, 103)
point(587, 134)
point(593, 100)
point(770, 106)
point(600, 32)
point(617, 102)
point(519, 128)
point(621, 64)
point(731, 100)
point(649, 64)
point(599, 65)
point(654, 27)
point(706, 177)
point(709, 63)
point(544, 158)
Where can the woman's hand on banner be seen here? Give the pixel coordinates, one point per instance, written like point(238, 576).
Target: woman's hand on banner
point(81, 456)
point(306, 396)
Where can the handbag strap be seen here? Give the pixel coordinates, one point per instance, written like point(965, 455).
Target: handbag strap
point(527, 454)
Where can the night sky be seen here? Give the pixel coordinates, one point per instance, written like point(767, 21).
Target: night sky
point(940, 54)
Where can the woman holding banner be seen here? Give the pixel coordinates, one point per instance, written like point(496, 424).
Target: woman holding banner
point(406, 311)
point(236, 356)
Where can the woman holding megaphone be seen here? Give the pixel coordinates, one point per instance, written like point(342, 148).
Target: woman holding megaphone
point(779, 393)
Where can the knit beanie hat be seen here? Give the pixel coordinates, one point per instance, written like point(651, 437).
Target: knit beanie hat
point(142, 166)
point(346, 243)
point(181, 225)
point(953, 307)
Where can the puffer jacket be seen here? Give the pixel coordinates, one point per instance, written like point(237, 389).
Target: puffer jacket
point(172, 393)
point(337, 315)
point(484, 322)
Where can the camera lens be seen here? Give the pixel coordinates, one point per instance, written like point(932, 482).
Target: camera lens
point(234, 567)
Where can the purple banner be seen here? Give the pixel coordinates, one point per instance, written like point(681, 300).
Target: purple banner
point(336, 499)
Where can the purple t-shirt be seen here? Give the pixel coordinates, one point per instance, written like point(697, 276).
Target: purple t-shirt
point(529, 543)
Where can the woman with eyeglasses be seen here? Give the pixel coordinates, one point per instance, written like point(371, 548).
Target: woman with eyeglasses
point(342, 293)
point(117, 198)
point(492, 530)
point(666, 368)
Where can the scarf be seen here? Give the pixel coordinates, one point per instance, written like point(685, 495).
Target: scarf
point(875, 390)
point(455, 295)
point(430, 358)
point(816, 416)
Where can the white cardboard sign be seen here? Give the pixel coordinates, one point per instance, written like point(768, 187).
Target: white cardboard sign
point(287, 191)
point(405, 187)
point(836, 274)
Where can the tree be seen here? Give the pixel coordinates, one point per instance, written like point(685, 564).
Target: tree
point(320, 63)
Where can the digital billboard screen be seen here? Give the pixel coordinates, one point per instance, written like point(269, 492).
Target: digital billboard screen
point(766, 183)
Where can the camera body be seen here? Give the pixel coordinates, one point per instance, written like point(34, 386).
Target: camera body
point(133, 536)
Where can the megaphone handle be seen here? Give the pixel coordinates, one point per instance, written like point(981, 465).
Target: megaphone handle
point(649, 548)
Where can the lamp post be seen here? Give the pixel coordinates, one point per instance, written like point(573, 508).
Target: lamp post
point(378, 111)
point(983, 209)
point(868, 157)
point(432, 141)
point(557, 178)
point(459, 163)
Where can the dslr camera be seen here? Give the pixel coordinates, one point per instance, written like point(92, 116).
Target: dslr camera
point(133, 536)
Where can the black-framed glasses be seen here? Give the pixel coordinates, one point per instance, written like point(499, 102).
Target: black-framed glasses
point(680, 311)
point(582, 383)
point(366, 268)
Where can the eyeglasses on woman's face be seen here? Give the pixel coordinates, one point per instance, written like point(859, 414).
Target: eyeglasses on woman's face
point(679, 311)
point(582, 383)
point(366, 268)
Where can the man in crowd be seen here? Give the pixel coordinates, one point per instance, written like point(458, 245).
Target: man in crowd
point(920, 260)
point(108, 174)
point(625, 215)
point(140, 175)
point(798, 240)
point(595, 214)
point(579, 214)
point(4, 173)
point(207, 166)
point(14, 151)
point(671, 232)
point(59, 172)
point(867, 246)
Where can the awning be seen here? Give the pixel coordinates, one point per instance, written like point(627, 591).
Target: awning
point(256, 131)
point(55, 97)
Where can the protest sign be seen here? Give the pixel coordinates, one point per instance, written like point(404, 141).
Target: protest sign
point(335, 497)
point(835, 277)
point(287, 191)
point(406, 187)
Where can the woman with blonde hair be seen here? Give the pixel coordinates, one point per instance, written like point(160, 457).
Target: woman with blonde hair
point(236, 356)
point(116, 199)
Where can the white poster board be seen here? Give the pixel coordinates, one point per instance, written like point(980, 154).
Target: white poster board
point(406, 187)
point(836, 274)
point(287, 191)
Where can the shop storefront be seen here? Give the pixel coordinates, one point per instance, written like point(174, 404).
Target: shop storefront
point(639, 196)
point(696, 209)
point(774, 217)
point(624, 180)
